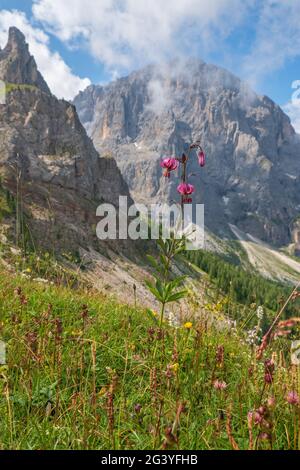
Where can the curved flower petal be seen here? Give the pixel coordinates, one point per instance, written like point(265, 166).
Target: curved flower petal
point(201, 158)
point(169, 164)
point(185, 189)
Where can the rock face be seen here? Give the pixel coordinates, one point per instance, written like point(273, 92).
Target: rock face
point(296, 237)
point(47, 161)
point(252, 174)
point(16, 63)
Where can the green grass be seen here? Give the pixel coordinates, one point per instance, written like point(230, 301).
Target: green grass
point(85, 372)
point(5, 208)
point(19, 86)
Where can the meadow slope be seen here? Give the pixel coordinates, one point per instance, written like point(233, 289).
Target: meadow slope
point(86, 372)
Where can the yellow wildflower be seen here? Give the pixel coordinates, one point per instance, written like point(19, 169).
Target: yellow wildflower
point(175, 367)
point(76, 333)
point(154, 313)
point(188, 325)
point(102, 391)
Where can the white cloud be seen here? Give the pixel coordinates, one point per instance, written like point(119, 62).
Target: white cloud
point(293, 111)
point(292, 108)
point(160, 98)
point(277, 39)
point(58, 75)
point(129, 33)
point(276, 42)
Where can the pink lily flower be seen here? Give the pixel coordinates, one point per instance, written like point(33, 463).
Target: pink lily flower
point(201, 158)
point(170, 164)
point(185, 189)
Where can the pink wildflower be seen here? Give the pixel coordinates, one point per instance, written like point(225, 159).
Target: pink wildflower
point(201, 158)
point(257, 417)
point(293, 398)
point(264, 436)
point(219, 385)
point(271, 402)
point(169, 164)
point(137, 408)
point(186, 189)
point(269, 371)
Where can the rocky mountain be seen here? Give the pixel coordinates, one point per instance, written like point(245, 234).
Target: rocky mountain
point(252, 175)
point(47, 162)
point(17, 65)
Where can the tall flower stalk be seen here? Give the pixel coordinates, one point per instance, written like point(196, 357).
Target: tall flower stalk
point(185, 189)
point(165, 289)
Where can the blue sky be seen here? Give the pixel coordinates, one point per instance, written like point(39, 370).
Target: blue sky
point(77, 42)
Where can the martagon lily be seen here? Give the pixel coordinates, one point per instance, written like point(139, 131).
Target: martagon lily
point(169, 164)
point(186, 189)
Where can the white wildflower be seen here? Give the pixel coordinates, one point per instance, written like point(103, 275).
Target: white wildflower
point(173, 319)
point(260, 312)
point(254, 335)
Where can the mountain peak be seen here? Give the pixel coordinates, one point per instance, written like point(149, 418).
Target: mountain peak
point(15, 38)
point(17, 65)
point(252, 156)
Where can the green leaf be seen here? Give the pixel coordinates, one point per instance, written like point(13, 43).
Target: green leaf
point(176, 282)
point(163, 260)
point(154, 291)
point(177, 296)
point(153, 261)
point(155, 264)
point(160, 288)
point(161, 245)
point(172, 285)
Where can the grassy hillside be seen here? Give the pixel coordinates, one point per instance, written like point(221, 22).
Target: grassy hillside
point(84, 372)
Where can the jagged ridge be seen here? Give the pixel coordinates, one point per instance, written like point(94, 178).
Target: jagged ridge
point(45, 150)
